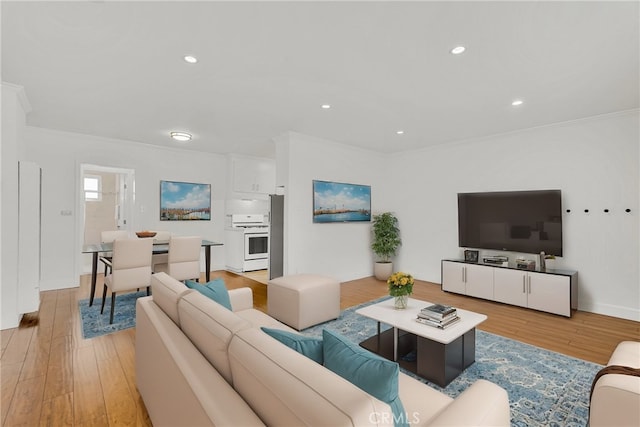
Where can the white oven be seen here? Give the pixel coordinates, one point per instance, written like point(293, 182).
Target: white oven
point(247, 242)
point(256, 243)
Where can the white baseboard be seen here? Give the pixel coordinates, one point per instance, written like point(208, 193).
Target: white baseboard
point(628, 313)
point(52, 285)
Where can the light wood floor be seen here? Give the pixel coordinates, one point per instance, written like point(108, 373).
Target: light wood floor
point(52, 376)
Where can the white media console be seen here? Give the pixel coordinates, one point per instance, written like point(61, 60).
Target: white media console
point(553, 291)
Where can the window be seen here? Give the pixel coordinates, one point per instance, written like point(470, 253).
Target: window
point(92, 188)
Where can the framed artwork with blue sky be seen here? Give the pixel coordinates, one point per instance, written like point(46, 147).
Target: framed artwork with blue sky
point(185, 201)
point(341, 202)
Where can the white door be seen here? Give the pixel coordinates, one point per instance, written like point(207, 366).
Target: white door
point(106, 204)
point(479, 281)
point(510, 286)
point(453, 277)
point(550, 293)
point(29, 224)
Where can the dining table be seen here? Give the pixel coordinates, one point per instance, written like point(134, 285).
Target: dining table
point(159, 247)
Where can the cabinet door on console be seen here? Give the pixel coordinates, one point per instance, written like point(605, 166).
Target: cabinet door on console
point(510, 286)
point(453, 277)
point(479, 281)
point(550, 293)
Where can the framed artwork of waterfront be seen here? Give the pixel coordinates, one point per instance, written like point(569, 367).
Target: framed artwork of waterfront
point(341, 202)
point(185, 201)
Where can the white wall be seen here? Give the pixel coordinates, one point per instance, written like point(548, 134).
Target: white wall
point(60, 155)
point(593, 161)
point(339, 250)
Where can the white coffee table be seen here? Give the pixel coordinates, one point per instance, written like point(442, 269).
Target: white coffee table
point(440, 354)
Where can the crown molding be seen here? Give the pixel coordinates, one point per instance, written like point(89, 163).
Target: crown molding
point(21, 94)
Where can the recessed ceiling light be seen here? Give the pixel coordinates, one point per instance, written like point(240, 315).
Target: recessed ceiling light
point(400, 132)
point(458, 50)
point(190, 59)
point(181, 136)
point(517, 102)
point(326, 106)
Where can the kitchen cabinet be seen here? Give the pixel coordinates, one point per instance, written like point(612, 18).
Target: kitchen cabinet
point(552, 291)
point(253, 175)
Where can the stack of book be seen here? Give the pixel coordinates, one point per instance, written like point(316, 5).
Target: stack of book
point(438, 315)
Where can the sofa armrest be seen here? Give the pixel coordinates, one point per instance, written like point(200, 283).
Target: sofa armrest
point(615, 401)
point(482, 404)
point(616, 397)
point(241, 299)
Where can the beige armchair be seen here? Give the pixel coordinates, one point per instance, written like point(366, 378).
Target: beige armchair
point(183, 259)
point(615, 398)
point(130, 269)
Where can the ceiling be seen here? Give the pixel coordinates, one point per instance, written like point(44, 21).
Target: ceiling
point(116, 69)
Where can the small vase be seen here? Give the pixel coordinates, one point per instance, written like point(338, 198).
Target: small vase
point(400, 302)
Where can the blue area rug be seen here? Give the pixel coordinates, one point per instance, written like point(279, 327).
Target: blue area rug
point(545, 388)
point(95, 324)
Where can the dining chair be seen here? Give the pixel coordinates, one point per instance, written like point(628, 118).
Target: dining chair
point(160, 237)
point(183, 258)
point(109, 237)
point(130, 269)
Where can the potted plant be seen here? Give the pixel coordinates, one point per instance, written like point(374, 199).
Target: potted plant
point(386, 240)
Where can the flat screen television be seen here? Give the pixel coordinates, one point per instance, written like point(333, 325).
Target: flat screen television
point(517, 221)
point(341, 202)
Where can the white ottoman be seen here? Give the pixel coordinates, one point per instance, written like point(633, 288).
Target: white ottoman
point(303, 300)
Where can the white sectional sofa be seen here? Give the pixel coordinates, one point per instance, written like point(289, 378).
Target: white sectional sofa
point(199, 364)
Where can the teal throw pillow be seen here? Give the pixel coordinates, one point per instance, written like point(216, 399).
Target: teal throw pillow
point(370, 372)
point(215, 289)
point(310, 347)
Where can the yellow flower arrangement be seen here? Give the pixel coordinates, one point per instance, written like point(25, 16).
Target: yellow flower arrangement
point(400, 284)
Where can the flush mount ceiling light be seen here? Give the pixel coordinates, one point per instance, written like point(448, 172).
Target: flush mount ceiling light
point(325, 106)
point(458, 50)
point(190, 59)
point(181, 136)
point(400, 132)
point(517, 102)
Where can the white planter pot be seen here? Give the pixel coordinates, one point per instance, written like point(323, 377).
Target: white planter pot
point(382, 270)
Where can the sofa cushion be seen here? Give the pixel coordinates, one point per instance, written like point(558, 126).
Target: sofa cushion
point(167, 291)
point(210, 328)
point(309, 346)
point(372, 373)
point(214, 289)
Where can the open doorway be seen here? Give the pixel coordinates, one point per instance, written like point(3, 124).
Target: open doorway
point(106, 203)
